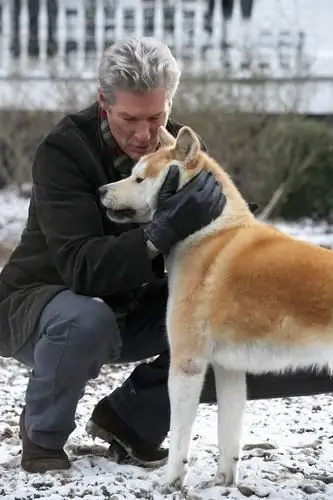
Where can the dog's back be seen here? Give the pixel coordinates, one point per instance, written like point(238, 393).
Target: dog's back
point(260, 299)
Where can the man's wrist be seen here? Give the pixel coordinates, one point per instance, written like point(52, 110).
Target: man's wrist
point(151, 249)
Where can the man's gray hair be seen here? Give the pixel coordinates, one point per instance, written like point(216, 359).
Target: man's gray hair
point(138, 64)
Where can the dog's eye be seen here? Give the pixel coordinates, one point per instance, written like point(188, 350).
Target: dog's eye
point(138, 180)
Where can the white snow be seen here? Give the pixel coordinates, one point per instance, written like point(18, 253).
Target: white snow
point(287, 442)
point(13, 214)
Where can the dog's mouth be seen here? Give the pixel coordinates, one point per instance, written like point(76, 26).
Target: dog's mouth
point(121, 214)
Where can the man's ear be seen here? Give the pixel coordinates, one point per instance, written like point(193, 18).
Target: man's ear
point(102, 101)
point(187, 145)
point(165, 138)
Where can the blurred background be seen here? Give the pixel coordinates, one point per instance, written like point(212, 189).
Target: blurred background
point(256, 85)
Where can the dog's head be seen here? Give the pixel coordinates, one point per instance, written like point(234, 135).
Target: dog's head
point(134, 199)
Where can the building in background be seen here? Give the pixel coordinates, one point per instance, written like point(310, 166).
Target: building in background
point(234, 37)
point(285, 42)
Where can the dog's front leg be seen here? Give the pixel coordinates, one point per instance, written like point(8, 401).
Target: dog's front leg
point(185, 384)
point(231, 399)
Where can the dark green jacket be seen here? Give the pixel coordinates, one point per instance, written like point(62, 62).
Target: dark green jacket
point(68, 242)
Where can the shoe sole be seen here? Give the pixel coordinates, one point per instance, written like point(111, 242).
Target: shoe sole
point(97, 432)
point(42, 468)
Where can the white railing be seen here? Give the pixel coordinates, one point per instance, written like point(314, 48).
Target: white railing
point(70, 35)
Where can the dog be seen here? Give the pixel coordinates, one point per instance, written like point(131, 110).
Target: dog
point(243, 297)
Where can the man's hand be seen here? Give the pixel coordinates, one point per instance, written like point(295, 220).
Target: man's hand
point(181, 213)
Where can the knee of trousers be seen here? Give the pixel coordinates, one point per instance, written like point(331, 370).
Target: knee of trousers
point(94, 330)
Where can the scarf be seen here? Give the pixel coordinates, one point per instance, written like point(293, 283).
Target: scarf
point(122, 163)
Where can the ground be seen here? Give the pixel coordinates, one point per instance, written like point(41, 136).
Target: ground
point(287, 451)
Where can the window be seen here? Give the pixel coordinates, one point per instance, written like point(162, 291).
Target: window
point(110, 22)
point(129, 20)
point(246, 8)
point(188, 25)
point(169, 19)
point(148, 21)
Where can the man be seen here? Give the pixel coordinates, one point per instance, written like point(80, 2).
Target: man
point(80, 291)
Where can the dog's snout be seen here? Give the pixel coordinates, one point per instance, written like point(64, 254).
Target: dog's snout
point(102, 190)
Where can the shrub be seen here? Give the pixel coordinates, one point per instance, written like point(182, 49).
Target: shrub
point(20, 133)
point(307, 149)
point(284, 163)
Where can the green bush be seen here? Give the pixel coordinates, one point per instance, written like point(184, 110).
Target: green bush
point(296, 153)
point(287, 157)
point(20, 133)
point(311, 196)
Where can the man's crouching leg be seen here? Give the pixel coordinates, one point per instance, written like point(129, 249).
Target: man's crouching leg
point(136, 416)
point(76, 336)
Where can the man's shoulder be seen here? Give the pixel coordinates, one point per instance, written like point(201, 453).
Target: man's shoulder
point(79, 118)
point(76, 124)
point(74, 141)
point(174, 126)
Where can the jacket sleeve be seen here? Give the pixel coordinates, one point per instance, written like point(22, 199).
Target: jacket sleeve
point(89, 262)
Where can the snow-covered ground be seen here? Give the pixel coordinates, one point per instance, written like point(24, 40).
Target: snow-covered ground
point(287, 442)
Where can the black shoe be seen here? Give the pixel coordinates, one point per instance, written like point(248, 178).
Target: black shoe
point(37, 459)
point(126, 445)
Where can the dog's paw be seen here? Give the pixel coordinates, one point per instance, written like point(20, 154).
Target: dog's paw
point(169, 488)
point(226, 475)
point(223, 479)
point(172, 481)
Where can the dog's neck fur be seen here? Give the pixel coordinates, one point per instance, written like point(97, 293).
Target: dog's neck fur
point(236, 212)
point(235, 215)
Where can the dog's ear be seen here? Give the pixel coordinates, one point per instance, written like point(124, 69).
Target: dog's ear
point(187, 146)
point(165, 138)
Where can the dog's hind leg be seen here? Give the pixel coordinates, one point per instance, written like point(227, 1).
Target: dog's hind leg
point(185, 384)
point(231, 400)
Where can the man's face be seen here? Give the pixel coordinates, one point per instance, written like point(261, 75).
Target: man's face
point(134, 119)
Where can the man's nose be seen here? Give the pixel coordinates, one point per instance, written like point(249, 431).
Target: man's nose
point(102, 190)
point(143, 133)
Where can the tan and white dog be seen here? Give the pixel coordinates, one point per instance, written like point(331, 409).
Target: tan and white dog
point(243, 297)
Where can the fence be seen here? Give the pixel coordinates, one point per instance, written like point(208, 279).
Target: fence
point(65, 38)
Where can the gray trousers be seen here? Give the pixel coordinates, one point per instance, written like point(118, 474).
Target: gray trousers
point(76, 335)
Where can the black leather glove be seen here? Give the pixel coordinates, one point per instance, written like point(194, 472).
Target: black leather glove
point(181, 213)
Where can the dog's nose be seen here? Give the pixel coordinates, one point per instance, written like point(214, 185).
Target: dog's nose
point(102, 190)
